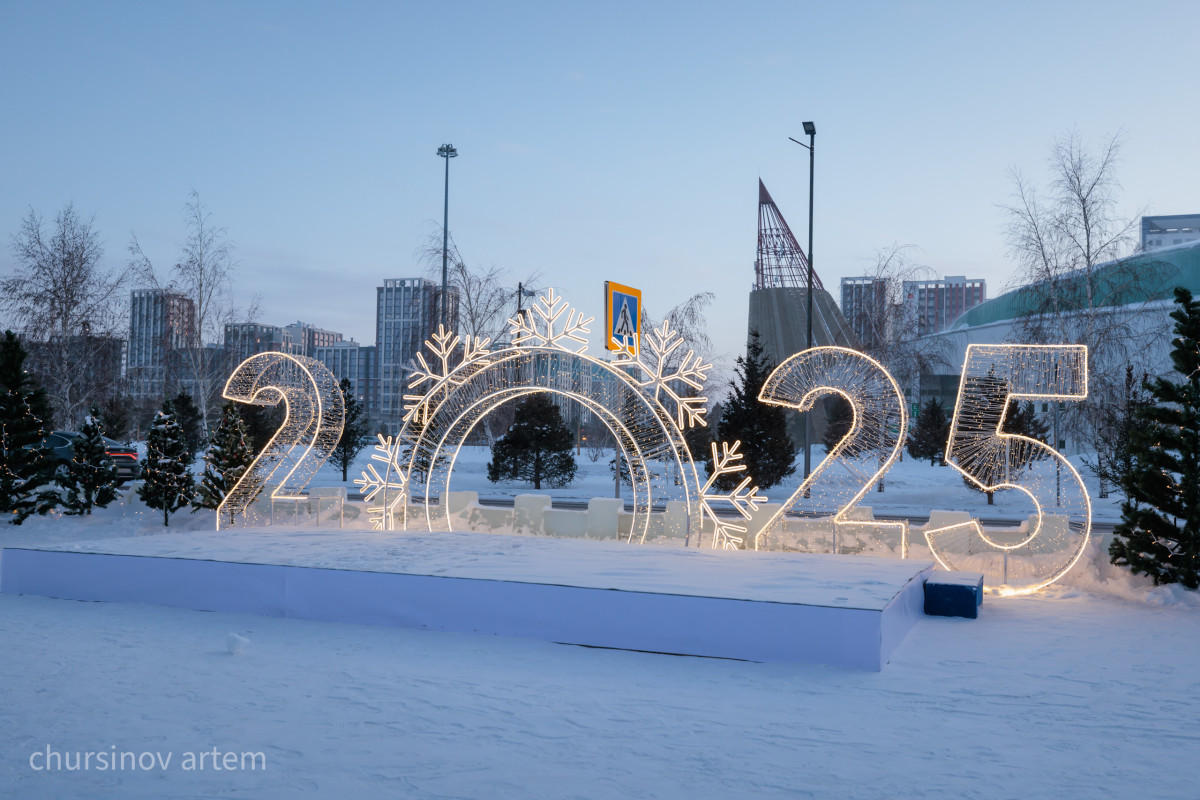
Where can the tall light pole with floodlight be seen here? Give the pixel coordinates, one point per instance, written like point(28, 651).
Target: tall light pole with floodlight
point(448, 152)
point(811, 131)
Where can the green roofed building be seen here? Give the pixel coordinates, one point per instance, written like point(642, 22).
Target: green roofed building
point(1138, 290)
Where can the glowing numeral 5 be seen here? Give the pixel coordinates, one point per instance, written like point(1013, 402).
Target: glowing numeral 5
point(868, 448)
point(1017, 561)
point(312, 425)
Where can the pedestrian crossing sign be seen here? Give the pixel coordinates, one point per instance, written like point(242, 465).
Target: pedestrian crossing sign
point(622, 316)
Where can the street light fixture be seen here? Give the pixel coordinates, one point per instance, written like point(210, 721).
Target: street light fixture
point(447, 152)
point(810, 130)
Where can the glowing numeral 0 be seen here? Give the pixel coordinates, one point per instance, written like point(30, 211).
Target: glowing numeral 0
point(1016, 561)
point(312, 426)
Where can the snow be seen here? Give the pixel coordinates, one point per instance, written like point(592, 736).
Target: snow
point(1087, 689)
point(820, 579)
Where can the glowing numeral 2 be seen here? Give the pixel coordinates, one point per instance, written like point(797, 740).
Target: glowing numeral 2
point(866, 451)
point(312, 426)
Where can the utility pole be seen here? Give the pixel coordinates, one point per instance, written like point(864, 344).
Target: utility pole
point(811, 130)
point(447, 152)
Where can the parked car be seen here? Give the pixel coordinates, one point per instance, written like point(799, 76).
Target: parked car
point(123, 455)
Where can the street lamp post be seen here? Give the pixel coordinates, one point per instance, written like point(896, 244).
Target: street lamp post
point(811, 130)
point(447, 152)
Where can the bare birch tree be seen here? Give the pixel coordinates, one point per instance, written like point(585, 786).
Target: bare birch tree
point(1078, 284)
point(486, 298)
point(67, 305)
point(889, 325)
point(204, 274)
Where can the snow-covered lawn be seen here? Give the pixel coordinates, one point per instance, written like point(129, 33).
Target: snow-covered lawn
point(1090, 689)
point(911, 488)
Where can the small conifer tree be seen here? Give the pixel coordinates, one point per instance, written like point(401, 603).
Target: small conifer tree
point(1159, 534)
point(26, 463)
point(537, 448)
point(228, 457)
point(191, 422)
point(355, 429)
point(91, 478)
point(168, 484)
point(767, 448)
point(841, 419)
point(929, 434)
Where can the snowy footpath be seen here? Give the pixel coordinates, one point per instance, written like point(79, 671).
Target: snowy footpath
point(1088, 690)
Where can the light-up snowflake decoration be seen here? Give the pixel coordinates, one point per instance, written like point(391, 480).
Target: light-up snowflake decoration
point(544, 326)
point(435, 377)
point(662, 377)
point(744, 497)
point(391, 487)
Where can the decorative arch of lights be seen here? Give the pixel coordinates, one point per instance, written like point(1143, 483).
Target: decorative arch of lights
point(314, 412)
point(647, 399)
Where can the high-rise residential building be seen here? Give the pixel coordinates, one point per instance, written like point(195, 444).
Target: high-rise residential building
point(864, 305)
point(245, 339)
point(936, 304)
point(405, 316)
point(306, 337)
point(1173, 229)
point(160, 322)
point(355, 362)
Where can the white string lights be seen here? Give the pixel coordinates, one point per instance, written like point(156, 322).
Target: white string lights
point(312, 424)
point(391, 487)
point(859, 459)
point(662, 378)
point(994, 377)
point(650, 396)
point(547, 356)
point(744, 497)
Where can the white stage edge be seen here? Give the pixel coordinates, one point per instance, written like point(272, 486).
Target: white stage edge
point(847, 611)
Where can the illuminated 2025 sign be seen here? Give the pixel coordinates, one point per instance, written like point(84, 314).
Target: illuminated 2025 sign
point(648, 398)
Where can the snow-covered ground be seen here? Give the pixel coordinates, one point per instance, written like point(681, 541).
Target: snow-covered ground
point(911, 488)
point(1090, 689)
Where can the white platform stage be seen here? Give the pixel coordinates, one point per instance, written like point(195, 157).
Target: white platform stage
point(849, 611)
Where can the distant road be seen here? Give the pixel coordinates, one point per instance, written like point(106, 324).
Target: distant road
point(581, 505)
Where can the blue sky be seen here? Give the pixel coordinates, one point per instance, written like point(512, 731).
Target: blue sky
point(598, 141)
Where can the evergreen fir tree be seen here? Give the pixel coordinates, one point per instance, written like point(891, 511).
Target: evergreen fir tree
point(116, 417)
point(1159, 534)
point(537, 448)
point(840, 420)
point(91, 478)
point(26, 463)
point(767, 448)
point(189, 419)
point(699, 442)
point(228, 457)
point(260, 423)
point(168, 484)
point(1023, 420)
point(930, 433)
point(1019, 419)
point(355, 429)
point(1114, 456)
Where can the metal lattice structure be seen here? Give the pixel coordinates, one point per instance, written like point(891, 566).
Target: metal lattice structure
point(781, 261)
point(862, 456)
point(1025, 559)
point(312, 426)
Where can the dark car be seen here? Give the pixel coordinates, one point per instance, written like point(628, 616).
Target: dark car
point(123, 455)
